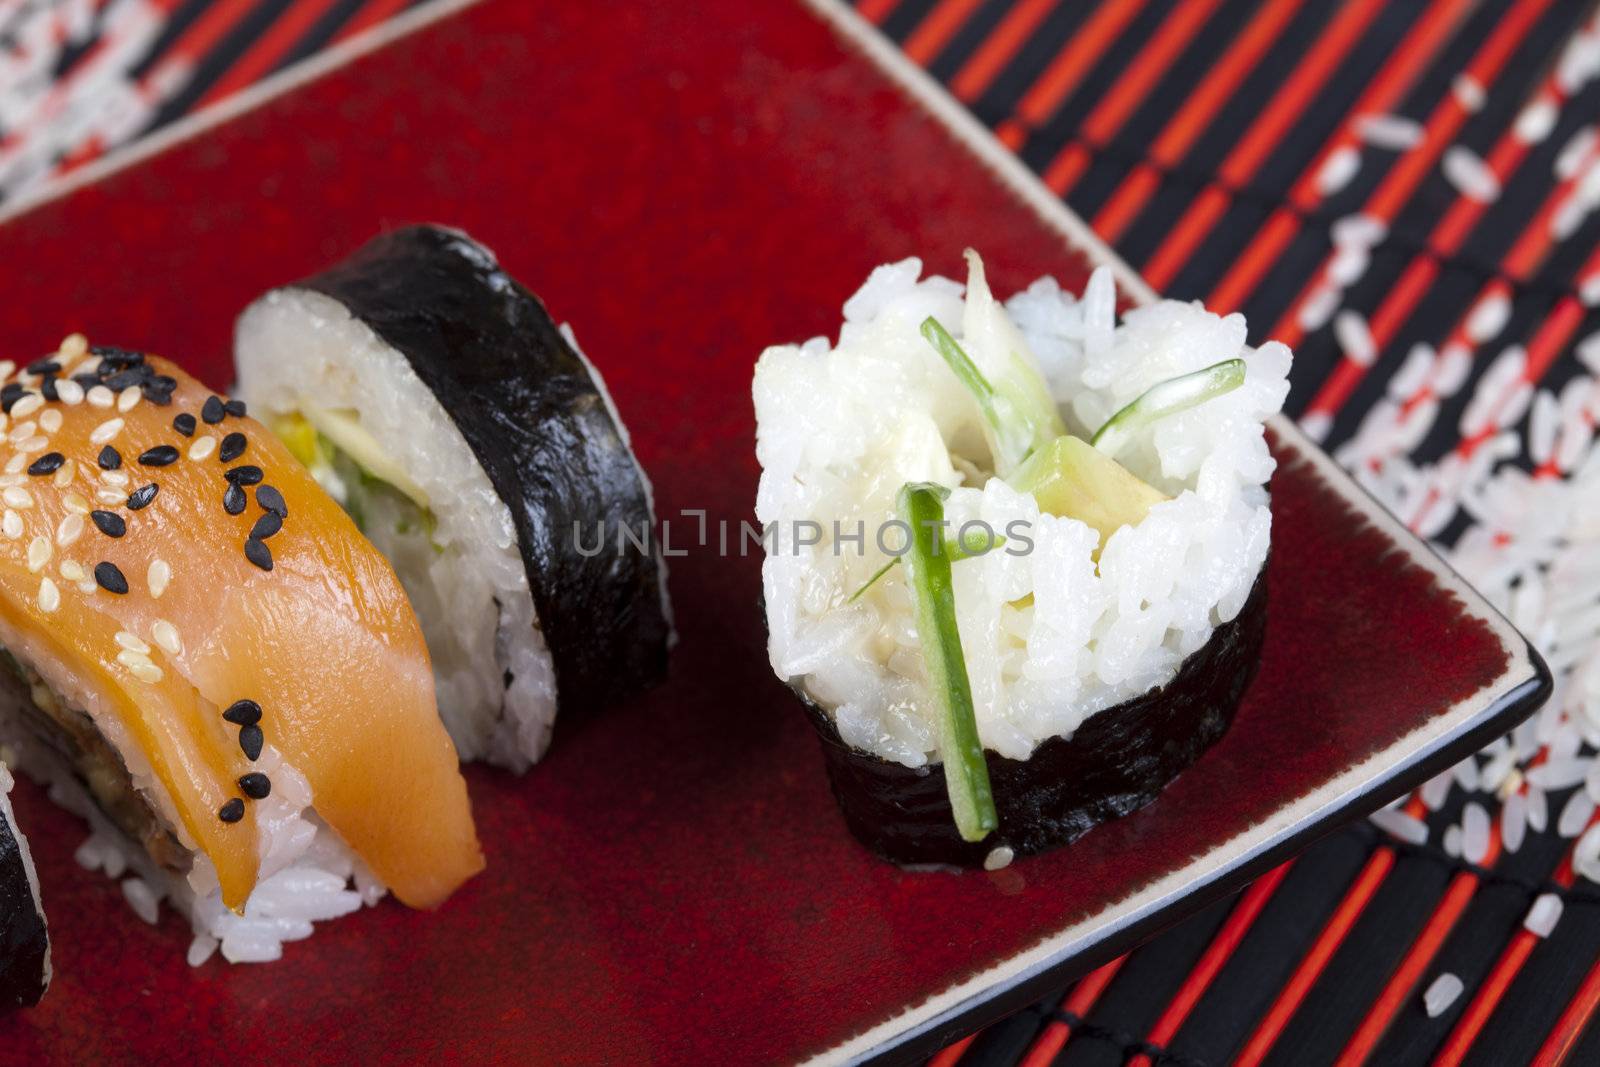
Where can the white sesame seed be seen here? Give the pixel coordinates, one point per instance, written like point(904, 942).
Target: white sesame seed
point(22, 430)
point(30, 403)
point(116, 477)
point(139, 666)
point(36, 443)
point(16, 463)
point(64, 474)
point(166, 635)
point(106, 431)
point(70, 392)
point(38, 554)
point(88, 585)
point(69, 529)
point(128, 398)
point(16, 496)
point(75, 503)
point(73, 571)
point(11, 524)
point(132, 642)
point(109, 496)
point(7, 368)
point(202, 447)
point(128, 656)
point(159, 574)
point(50, 420)
point(100, 397)
point(12, 479)
point(73, 346)
point(90, 365)
point(49, 595)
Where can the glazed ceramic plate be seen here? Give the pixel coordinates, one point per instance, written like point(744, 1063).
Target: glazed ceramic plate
point(674, 884)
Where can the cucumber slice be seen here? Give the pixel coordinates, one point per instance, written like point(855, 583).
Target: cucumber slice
point(921, 505)
point(1168, 398)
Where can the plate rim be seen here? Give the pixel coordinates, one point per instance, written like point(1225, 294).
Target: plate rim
point(1017, 980)
point(1492, 709)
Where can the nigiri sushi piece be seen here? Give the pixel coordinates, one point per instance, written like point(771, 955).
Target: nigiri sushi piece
point(204, 658)
point(24, 940)
point(1035, 593)
point(475, 445)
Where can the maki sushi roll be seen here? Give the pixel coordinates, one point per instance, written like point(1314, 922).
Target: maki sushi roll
point(1014, 552)
point(24, 942)
point(479, 450)
point(202, 657)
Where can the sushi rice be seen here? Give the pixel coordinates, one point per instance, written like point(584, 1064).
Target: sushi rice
point(1051, 633)
point(465, 577)
point(307, 873)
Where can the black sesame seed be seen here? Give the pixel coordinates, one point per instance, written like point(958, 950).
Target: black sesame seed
point(236, 408)
point(184, 424)
point(268, 524)
point(159, 390)
point(257, 552)
point(243, 713)
point(212, 411)
point(244, 474)
point(110, 523)
point(8, 398)
point(159, 456)
point(48, 463)
point(142, 496)
point(251, 739)
point(112, 356)
point(110, 459)
point(48, 388)
point(124, 378)
point(233, 501)
point(43, 366)
point(110, 577)
point(232, 447)
point(88, 381)
point(272, 500)
point(256, 785)
point(232, 811)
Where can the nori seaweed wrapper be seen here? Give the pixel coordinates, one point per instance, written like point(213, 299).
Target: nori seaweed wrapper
point(536, 419)
point(24, 944)
point(1116, 762)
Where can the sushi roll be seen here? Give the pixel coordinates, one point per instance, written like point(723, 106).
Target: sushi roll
point(477, 447)
point(204, 659)
point(1014, 552)
point(24, 941)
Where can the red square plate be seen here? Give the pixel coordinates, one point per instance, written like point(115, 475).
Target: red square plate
point(685, 184)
